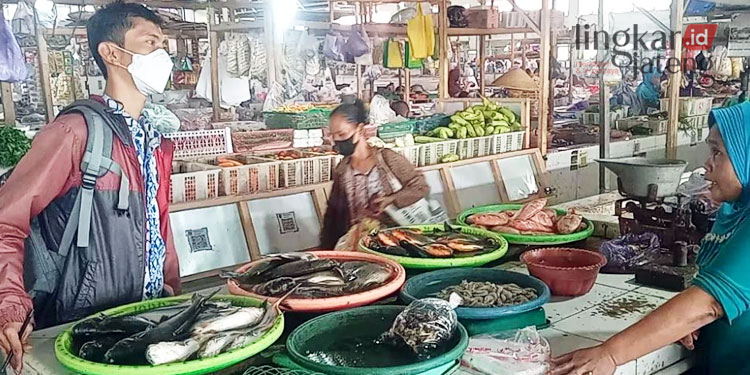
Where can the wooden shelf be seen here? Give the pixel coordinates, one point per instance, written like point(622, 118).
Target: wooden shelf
point(457, 31)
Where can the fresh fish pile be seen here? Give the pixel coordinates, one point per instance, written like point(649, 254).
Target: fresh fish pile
point(487, 294)
point(199, 329)
point(306, 276)
point(532, 219)
point(448, 242)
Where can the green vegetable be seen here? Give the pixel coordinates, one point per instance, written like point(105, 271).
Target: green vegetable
point(444, 133)
point(454, 126)
point(489, 130)
point(508, 114)
point(479, 130)
point(449, 158)
point(13, 146)
point(502, 130)
point(462, 133)
point(497, 123)
point(458, 119)
point(425, 139)
point(471, 131)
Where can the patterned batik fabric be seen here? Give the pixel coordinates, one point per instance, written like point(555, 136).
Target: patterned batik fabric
point(146, 139)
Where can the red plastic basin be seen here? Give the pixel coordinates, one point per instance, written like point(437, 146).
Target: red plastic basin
point(567, 272)
point(320, 305)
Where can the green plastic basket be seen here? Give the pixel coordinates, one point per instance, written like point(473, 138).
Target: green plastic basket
point(313, 119)
point(64, 344)
point(437, 263)
point(525, 239)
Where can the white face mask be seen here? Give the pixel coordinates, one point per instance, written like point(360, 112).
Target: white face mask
point(150, 72)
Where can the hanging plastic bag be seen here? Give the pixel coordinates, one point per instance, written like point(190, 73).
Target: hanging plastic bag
point(425, 326)
point(421, 32)
point(357, 44)
point(12, 63)
point(23, 19)
point(366, 58)
point(507, 353)
point(333, 46)
point(393, 58)
point(411, 61)
point(625, 252)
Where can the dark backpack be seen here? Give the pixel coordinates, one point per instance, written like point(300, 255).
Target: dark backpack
point(44, 267)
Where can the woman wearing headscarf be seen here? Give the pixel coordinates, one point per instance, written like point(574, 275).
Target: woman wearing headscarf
point(649, 90)
point(712, 315)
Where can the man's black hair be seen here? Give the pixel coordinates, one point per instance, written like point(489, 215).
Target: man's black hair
point(110, 23)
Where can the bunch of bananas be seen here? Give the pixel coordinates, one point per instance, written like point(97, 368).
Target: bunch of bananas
point(480, 120)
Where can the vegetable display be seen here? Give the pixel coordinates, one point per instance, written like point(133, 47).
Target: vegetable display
point(480, 120)
point(13, 146)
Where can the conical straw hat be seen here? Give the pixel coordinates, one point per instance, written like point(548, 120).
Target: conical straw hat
point(516, 79)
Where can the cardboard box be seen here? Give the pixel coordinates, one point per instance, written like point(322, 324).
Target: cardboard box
point(483, 18)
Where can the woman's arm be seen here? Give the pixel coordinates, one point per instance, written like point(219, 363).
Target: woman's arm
point(414, 183)
point(679, 317)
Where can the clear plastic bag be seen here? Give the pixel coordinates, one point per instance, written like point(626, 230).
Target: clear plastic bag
point(518, 352)
point(12, 62)
point(624, 252)
point(425, 326)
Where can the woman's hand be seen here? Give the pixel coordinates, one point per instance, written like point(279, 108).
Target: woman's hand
point(592, 361)
point(382, 202)
point(689, 341)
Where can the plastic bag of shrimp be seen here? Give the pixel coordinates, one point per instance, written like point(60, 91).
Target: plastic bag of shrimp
point(518, 352)
point(426, 326)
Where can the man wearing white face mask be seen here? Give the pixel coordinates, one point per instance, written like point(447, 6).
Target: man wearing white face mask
point(84, 222)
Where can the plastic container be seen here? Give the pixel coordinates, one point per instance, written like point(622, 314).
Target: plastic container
point(476, 147)
point(536, 318)
point(320, 305)
point(428, 284)
point(257, 175)
point(567, 272)
point(201, 142)
point(437, 263)
point(193, 181)
point(524, 239)
point(64, 344)
point(508, 142)
point(431, 153)
point(367, 323)
point(411, 153)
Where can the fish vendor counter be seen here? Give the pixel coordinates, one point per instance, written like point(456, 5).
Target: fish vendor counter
point(614, 303)
point(227, 233)
point(604, 303)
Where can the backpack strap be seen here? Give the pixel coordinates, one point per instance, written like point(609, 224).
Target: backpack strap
point(96, 162)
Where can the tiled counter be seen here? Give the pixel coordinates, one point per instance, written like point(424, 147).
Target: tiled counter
point(614, 304)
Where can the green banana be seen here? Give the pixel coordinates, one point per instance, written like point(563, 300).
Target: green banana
point(458, 119)
point(497, 123)
point(508, 114)
point(461, 134)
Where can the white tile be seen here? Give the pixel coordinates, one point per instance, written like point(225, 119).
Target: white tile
point(560, 308)
point(661, 359)
point(563, 343)
point(627, 369)
point(610, 317)
point(679, 368)
point(626, 282)
point(661, 293)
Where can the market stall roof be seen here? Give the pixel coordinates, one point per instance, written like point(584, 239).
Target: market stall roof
point(516, 79)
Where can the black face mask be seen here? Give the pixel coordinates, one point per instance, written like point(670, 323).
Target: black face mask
point(345, 147)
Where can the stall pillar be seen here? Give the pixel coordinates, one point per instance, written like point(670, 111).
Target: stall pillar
point(675, 78)
point(604, 128)
point(544, 72)
point(443, 47)
point(214, 46)
point(9, 109)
